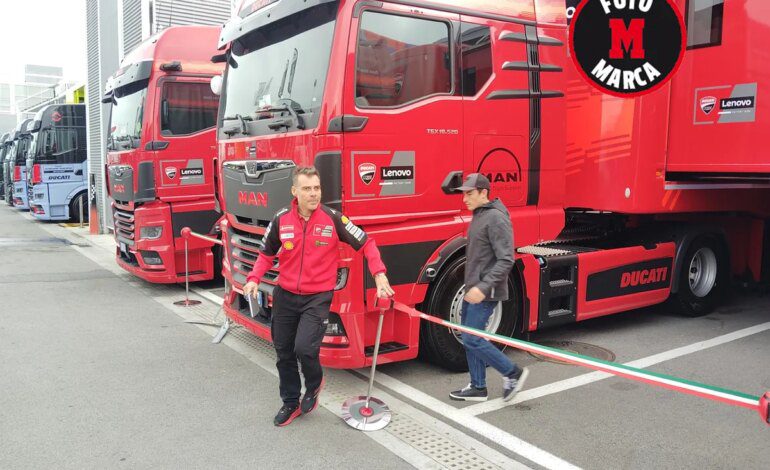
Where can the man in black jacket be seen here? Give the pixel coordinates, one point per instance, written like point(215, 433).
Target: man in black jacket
point(489, 260)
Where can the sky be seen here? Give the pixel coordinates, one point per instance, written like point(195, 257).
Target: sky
point(43, 32)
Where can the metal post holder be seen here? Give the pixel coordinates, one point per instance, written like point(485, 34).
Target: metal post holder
point(367, 413)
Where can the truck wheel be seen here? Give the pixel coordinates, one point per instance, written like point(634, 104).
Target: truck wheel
point(75, 208)
point(443, 346)
point(703, 277)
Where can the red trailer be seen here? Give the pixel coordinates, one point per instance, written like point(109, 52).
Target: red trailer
point(161, 155)
point(615, 203)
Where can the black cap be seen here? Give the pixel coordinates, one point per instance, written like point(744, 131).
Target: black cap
point(475, 181)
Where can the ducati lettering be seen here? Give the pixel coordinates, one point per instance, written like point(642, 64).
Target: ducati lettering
point(642, 277)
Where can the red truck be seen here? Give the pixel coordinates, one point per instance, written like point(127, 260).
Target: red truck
point(161, 155)
point(615, 203)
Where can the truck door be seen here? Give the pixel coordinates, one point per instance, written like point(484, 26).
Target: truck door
point(402, 111)
point(184, 142)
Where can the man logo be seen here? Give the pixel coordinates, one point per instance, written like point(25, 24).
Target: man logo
point(171, 172)
point(707, 104)
point(366, 172)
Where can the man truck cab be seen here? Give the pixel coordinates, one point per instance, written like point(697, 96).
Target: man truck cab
point(57, 166)
point(3, 141)
point(615, 203)
point(161, 155)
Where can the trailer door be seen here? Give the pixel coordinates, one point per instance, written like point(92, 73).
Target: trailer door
point(716, 126)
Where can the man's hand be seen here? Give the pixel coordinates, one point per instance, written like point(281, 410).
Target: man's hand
point(383, 286)
point(250, 289)
point(474, 296)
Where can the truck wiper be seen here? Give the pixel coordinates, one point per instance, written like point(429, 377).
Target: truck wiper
point(230, 131)
point(289, 106)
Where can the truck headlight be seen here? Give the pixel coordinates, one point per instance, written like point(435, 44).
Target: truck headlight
point(150, 233)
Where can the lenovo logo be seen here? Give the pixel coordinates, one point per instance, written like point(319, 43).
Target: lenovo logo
point(643, 276)
point(250, 198)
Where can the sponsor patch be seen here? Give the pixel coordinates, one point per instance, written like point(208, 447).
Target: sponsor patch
point(352, 229)
point(288, 245)
point(323, 231)
point(287, 235)
point(345, 220)
point(287, 228)
point(320, 243)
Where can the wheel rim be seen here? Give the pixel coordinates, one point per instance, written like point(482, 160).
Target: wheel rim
point(455, 309)
point(703, 272)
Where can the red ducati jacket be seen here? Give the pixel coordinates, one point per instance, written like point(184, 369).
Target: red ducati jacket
point(307, 251)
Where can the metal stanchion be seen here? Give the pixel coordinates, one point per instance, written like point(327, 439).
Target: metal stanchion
point(186, 302)
point(80, 205)
point(225, 326)
point(367, 413)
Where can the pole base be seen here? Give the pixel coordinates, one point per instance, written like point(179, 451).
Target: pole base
point(358, 416)
point(187, 303)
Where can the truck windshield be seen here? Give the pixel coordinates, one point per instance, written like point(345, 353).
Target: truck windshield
point(126, 116)
point(279, 66)
point(22, 145)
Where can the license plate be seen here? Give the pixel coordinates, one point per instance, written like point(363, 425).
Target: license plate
point(123, 248)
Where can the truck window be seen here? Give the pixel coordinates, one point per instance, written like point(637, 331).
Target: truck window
point(401, 59)
point(187, 108)
point(126, 115)
point(704, 23)
point(476, 51)
point(60, 145)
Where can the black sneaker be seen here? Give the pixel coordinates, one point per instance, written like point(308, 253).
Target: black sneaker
point(286, 415)
point(513, 383)
point(310, 400)
point(469, 393)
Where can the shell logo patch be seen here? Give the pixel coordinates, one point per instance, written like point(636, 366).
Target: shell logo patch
point(345, 220)
point(288, 245)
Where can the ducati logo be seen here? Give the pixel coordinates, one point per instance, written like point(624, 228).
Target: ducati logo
point(707, 104)
point(171, 172)
point(366, 172)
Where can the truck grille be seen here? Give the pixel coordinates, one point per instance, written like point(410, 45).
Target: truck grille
point(124, 225)
point(244, 251)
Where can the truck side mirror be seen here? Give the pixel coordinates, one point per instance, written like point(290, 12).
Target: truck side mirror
point(216, 84)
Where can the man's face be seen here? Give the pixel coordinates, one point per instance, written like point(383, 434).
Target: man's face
point(308, 192)
point(474, 198)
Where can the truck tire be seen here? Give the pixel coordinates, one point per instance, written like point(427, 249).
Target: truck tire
point(75, 208)
point(443, 346)
point(703, 277)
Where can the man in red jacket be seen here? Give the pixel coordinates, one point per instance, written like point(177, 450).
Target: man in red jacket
point(305, 237)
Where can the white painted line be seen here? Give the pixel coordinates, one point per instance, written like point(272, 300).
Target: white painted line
point(210, 296)
point(592, 377)
point(477, 425)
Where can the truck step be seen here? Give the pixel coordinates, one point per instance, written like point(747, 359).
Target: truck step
point(560, 283)
point(559, 312)
point(385, 348)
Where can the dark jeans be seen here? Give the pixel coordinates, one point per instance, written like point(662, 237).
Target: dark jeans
point(480, 352)
point(299, 323)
